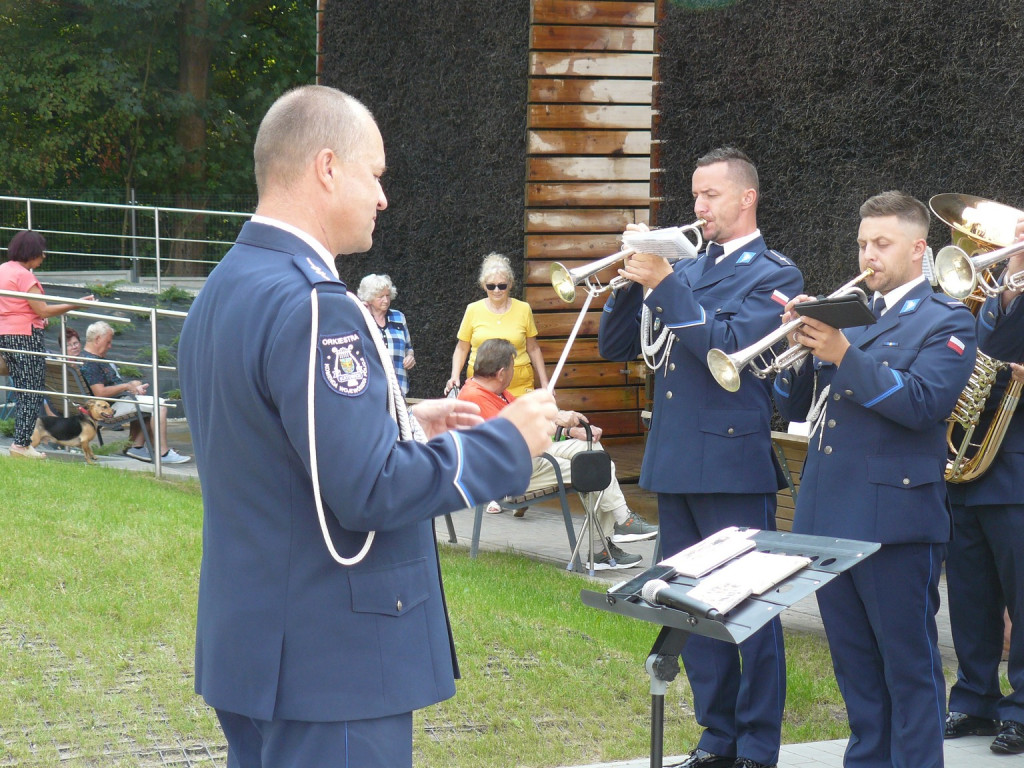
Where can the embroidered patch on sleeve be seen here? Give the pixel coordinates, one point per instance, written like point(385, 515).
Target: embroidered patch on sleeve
point(343, 363)
point(956, 345)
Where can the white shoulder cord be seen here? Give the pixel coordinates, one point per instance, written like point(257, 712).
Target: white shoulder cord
point(408, 427)
point(650, 347)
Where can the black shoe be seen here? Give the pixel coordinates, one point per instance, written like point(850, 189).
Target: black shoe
point(1010, 740)
point(700, 758)
point(746, 762)
point(958, 724)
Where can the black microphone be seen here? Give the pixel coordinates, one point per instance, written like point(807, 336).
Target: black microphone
point(658, 592)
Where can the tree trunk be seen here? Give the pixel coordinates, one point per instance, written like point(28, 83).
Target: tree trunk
point(194, 50)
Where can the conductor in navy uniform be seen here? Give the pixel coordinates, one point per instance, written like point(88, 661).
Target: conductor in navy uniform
point(874, 471)
point(984, 566)
point(709, 454)
point(322, 623)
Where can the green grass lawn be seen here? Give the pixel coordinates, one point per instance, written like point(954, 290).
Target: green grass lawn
point(98, 577)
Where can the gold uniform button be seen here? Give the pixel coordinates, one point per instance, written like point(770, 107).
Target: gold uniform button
point(657, 309)
point(885, 363)
point(828, 449)
point(671, 366)
point(836, 396)
point(906, 481)
point(848, 392)
point(831, 422)
point(398, 606)
point(668, 395)
point(731, 430)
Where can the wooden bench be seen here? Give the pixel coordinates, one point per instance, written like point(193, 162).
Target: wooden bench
point(791, 451)
point(558, 491)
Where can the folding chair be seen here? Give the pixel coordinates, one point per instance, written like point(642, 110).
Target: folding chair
point(591, 473)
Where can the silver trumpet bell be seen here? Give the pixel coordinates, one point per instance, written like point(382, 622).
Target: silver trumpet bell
point(983, 233)
point(959, 275)
point(727, 368)
point(565, 280)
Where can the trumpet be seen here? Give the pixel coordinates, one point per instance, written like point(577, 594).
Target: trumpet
point(959, 275)
point(727, 368)
point(565, 280)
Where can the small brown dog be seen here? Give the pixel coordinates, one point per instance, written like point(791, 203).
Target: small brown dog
point(75, 431)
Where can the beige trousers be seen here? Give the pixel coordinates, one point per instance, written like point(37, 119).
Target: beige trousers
point(612, 506)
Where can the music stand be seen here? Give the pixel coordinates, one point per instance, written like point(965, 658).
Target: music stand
point(829, 557)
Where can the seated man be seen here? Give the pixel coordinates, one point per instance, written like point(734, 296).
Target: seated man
point(104, 381)
point(488, 388)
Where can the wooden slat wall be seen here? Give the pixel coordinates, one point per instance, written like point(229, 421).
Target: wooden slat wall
point(588, 175)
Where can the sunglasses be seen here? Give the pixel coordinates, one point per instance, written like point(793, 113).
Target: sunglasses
point(496, 286)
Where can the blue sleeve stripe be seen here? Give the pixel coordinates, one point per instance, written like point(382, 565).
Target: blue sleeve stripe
point(460, 486)
point(895, 388)
point(689, 324)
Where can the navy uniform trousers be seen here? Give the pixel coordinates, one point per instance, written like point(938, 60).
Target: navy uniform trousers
point(985, 565)
point(709, 459)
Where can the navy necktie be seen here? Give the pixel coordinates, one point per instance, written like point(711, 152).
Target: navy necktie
point(714, 252)
point(879, 307)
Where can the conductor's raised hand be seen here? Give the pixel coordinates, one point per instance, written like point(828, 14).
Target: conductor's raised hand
point(440, 415)
point(533, 414)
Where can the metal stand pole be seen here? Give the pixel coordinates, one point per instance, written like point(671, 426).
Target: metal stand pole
point(662, 666)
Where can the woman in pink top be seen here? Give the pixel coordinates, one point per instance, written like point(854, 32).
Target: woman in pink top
point(21, 331)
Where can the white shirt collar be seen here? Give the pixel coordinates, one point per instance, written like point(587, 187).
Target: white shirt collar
point(893, 297)
point(736, 243)
point(307, 238)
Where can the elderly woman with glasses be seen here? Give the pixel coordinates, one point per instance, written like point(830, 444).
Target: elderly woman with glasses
point(377, 292)
point(21, 333)
point(499, 316)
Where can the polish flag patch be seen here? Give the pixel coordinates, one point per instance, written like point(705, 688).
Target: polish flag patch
point(780, 298)
point(956, 345)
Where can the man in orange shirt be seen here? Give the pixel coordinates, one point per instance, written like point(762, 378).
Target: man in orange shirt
point(488, 388)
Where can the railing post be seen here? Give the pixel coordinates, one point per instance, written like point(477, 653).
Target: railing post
point(158, 436)
point(134, 274)
point(156, 240)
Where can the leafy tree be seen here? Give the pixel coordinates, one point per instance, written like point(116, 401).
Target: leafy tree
point(158, 95)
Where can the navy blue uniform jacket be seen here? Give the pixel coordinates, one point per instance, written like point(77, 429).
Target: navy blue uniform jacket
point(284, 631)
point(704, 439)
point(1000, 335)
point(876, 472)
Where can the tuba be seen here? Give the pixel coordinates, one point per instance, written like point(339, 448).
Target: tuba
point(983, 236)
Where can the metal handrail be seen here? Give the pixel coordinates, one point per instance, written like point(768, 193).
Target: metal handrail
point(155, 239)
point(154, 365)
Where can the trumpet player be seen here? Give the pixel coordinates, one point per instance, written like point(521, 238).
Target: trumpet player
point(878, 397)
point(709, 455)
point(985, 564)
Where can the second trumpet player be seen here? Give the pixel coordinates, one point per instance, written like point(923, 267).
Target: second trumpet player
point(709, 455)
point(878, 397)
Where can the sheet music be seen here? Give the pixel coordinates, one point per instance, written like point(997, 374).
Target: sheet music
point(704, 556)
point(669, 243)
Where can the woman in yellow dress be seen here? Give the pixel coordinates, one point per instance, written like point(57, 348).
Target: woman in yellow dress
point(498, 315)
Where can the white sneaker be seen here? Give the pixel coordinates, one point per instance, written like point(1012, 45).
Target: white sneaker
point(26, 452)
point(493, 508)
point(173, 457)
